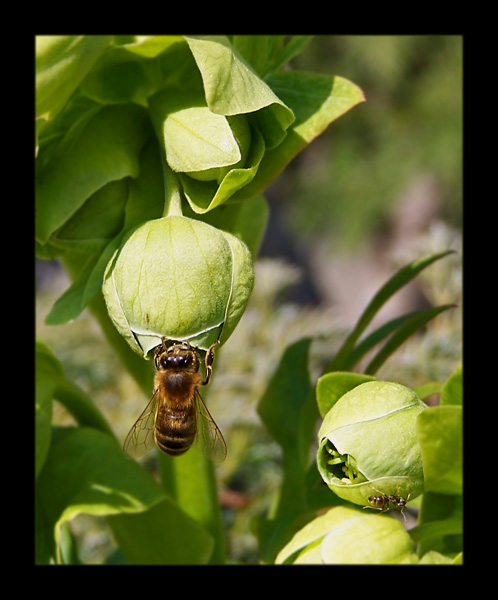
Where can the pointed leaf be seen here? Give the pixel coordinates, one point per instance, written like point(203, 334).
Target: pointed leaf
point(395, 283)
point(281, 406)
point(408, 328)
point(71, 303)
point(374, 338)
point(316, 101)
point(294, 47)
point(232, 87)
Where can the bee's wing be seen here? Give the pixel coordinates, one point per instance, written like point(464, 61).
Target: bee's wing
point(141, 438)
point(209, 438)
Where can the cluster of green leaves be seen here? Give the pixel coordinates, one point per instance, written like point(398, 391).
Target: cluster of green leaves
point(117, 117)
point(114, 113)
point(289, 410)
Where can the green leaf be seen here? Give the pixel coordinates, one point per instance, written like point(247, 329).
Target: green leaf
point(366, 344)
point(440, 430)
point(70, 304)
point(428, 389)
point(203, 196)
point(332, 386)
point(151, 45)
point(97, 222)
point(197, 139)
point(395, 283)
point(274, 533)
point(295, 46)
point(431, 529)
point(68, 546)
point(163, 535)
point(435, 558)
point(316, 101)
point(440, 524)
point(281, 407)
point(251, 222)
point(288, 410)
point(62, 62)
point(144, 202)
point(452, 392)
point(258, 50)
point(407, 329)
point(133, 71)
point(105, 148)
point(86, 471)
point(232, 87)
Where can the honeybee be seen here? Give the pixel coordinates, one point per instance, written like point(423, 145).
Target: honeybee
point(176, 417)
point(381, 502)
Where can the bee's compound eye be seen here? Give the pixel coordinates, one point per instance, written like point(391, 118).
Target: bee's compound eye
point(183, 360)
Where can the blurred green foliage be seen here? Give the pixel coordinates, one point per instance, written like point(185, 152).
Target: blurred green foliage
point(347, 183)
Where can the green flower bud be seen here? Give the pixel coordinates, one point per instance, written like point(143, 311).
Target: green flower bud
point(345, 535)
point(178, 278)
point(368, 445)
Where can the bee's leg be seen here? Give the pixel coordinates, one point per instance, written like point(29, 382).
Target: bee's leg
point(157, 352)
point(209, 360)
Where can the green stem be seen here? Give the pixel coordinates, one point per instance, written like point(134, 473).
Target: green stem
point(80, 405)
point(173, 193)
point(191, 480)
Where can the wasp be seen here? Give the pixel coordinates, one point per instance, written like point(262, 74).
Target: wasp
point(176, 418)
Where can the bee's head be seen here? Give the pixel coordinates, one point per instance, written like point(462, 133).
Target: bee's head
point(180, 355)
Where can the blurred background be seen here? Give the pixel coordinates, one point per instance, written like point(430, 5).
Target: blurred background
point(381, 187)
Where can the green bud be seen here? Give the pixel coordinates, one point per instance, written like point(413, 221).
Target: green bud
point(345, 535)
point(368, 444)
point(178, 278)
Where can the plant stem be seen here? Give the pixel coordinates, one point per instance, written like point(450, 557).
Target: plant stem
point(191, 480)
point(173, 194)
point(81, 406)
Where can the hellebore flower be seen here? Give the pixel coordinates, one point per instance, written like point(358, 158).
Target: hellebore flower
point(345, 535)
point(178, 278)
point(368, 444)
